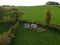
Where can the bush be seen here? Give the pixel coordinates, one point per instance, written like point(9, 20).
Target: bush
point(7, 37)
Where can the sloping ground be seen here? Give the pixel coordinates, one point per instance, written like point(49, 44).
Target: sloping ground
point(37, 13)
point(4, 27)
point(31, 37)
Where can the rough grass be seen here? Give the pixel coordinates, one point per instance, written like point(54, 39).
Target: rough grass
point(31, 37)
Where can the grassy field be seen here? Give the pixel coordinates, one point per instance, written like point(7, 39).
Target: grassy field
point(37, 13)
point(31, 37)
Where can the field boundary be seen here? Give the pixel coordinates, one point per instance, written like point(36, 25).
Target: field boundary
point(42, 24)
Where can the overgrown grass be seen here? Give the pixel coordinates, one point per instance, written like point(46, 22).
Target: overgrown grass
point(31, 37)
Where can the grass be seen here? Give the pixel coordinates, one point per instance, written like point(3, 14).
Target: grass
point(4, 27)
point(31, 37)
point(37, 13)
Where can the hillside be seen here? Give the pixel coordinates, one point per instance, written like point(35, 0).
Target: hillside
point(36, 13)
point(31, 37)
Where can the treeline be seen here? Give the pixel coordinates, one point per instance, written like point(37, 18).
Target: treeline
point(10, 15)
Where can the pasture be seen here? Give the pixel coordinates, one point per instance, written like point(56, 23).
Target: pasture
point(37, 13)
point(31, 37)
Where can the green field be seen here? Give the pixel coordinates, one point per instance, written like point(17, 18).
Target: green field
point(31, 37)
point(37, 13)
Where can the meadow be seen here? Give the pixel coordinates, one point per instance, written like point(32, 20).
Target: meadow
point(37, 13)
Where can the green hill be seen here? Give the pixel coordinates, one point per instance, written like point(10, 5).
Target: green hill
point(31, 37)
point(37, 13)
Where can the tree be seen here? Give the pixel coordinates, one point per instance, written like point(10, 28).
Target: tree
point(2, 12)
point(16, 13)
point(47, 18)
